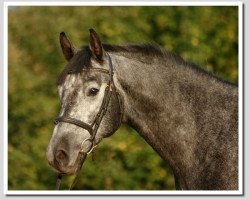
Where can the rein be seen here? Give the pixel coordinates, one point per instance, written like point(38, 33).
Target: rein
point(91, 128)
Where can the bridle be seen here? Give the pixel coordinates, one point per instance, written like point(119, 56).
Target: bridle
point(93, 127)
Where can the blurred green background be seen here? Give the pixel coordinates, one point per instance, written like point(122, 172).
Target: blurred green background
point(205, 35)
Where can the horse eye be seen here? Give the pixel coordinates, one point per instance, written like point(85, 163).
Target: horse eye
point(93, 92)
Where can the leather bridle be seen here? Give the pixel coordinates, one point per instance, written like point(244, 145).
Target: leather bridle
point(93, 127)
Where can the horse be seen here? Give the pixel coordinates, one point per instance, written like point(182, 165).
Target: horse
point(187, 115)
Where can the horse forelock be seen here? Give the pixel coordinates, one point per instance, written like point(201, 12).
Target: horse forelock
point(80, 61)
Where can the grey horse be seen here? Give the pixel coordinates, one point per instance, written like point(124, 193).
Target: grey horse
point(187, 115)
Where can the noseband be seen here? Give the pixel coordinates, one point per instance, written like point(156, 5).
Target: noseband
point(93, 127)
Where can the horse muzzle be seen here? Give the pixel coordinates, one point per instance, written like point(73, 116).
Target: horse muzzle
point(60, 161)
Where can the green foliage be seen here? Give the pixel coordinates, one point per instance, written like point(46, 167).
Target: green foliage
point(205, 35)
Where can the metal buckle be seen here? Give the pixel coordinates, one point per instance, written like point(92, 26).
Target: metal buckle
point(82, 147)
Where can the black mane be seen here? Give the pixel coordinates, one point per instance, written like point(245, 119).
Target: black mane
point(145, 51)
point(82, 58)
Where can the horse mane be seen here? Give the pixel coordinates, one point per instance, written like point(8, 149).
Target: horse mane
point(143, 49)
point(149, 50)
point(142, 52)
point(83, 56)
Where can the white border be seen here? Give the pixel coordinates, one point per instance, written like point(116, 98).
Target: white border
point(123, 3)
point(240, 97)
point(121, 192)
point(5, 100)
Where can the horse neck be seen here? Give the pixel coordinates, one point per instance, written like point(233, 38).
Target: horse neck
point(150, 105)
point(156, 105)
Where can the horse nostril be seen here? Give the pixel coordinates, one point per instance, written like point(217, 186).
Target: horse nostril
point(62, 157)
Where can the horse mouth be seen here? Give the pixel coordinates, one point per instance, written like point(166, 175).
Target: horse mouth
point(64, 171)
point(69, 170)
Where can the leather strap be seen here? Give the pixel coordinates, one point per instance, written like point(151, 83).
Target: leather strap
point(75, 122)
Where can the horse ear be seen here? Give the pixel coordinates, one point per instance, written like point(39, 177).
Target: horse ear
point(67, 48)
point(95, 45)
